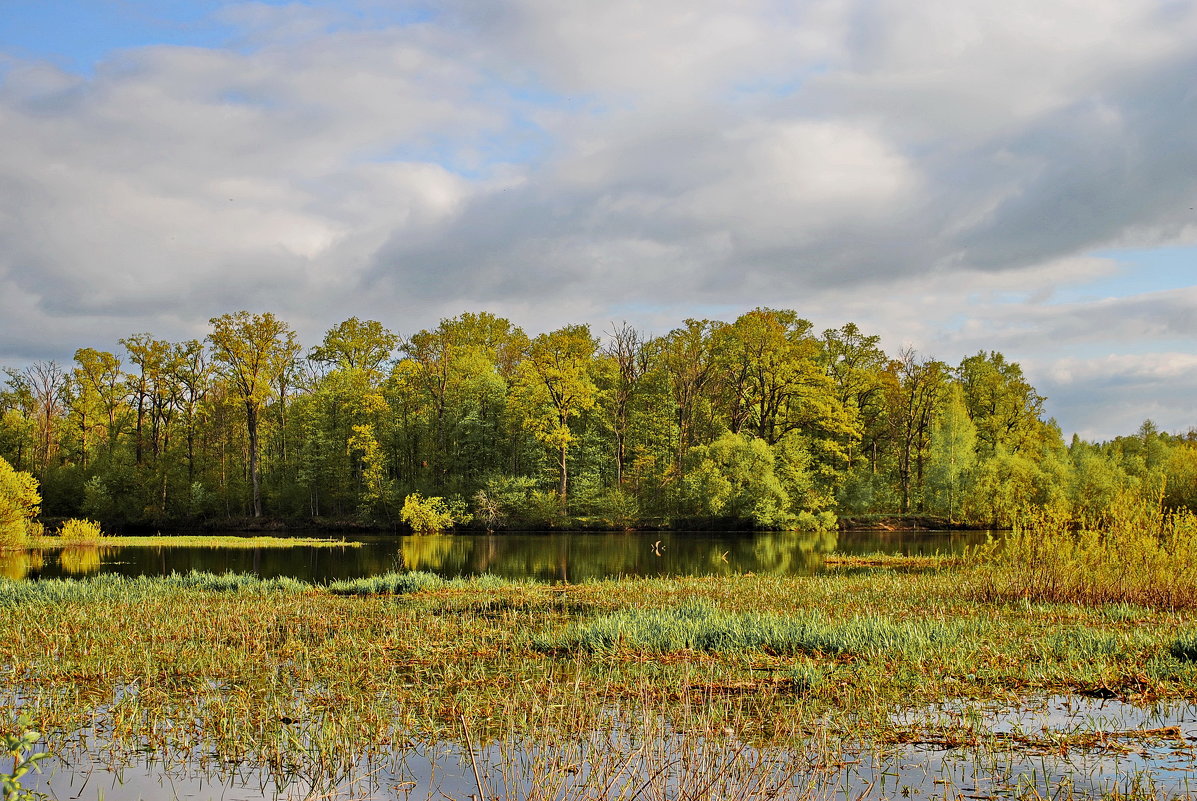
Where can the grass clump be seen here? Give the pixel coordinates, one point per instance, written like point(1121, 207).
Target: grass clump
point(234, 582)
point(387, 584)
point(704, 627)
point(1185, 648)
point(1088, 645)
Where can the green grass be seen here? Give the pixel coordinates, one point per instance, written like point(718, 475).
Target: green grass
point(1185, 647)
point(387, 584)
point(703, 627)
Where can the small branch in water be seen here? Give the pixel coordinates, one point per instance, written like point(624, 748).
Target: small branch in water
point(482, 795)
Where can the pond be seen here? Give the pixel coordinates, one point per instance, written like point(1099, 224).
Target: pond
point(567, 557)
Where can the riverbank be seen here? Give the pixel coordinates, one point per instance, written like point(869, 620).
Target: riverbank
point(326, 679)
point(343, 526)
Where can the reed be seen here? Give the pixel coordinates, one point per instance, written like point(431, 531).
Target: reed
point(1136, 555)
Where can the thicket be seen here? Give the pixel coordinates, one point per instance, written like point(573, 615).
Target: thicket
point(762, 421)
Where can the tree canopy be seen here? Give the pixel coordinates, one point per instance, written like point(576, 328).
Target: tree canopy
point(758, 421)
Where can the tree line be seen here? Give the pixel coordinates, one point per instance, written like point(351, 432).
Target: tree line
point(761, 421)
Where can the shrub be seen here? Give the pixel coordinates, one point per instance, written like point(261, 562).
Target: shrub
point(76, 531)
point(1137, 555)
point(430, 515)
point(19, 505)
point(815, 521)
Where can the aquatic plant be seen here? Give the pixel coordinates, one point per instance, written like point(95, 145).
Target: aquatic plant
point(703, 627)
point(19, 746)
point(1185, 647)
point(387, 584)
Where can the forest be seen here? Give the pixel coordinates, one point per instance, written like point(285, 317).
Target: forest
point(760, 422)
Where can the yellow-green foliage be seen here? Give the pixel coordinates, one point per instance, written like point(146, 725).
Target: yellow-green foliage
point(19, 505)
point(1135, 554)
point(426, 515)
point(75, 530)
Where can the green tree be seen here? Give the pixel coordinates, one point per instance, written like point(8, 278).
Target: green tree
point(629, 357)
point(1097, 481)
point(98, 398)
point(357, 345)
point(953, 451)
point(19, 505)
point(688, 358)
point(734, 477)
point(554, 387)
point(255, 349)
point(912, 398)
point(1003, 405)
point(453, 384)
point(856, 365)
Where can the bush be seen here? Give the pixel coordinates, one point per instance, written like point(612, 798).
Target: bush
point(815, 521)
point(430, 515)
point(75, 530)
point(1137, 556)
point(19, 506)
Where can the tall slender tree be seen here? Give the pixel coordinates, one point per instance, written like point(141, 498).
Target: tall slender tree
point(255, 350)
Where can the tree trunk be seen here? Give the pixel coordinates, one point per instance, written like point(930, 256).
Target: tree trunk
point(564, 488)
point(251, 424)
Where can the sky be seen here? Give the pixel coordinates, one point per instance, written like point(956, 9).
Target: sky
point(952, 175)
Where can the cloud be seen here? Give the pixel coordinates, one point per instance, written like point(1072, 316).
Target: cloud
point(935, 172)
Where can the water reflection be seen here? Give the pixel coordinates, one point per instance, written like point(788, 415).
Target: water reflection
point(570, 557)
point(81, 559)
point(19, 564)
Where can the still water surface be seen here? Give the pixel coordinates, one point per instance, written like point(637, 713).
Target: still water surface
point(568, 557)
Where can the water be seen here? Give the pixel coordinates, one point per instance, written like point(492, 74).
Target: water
point(1060, 746)
point(568, 557)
